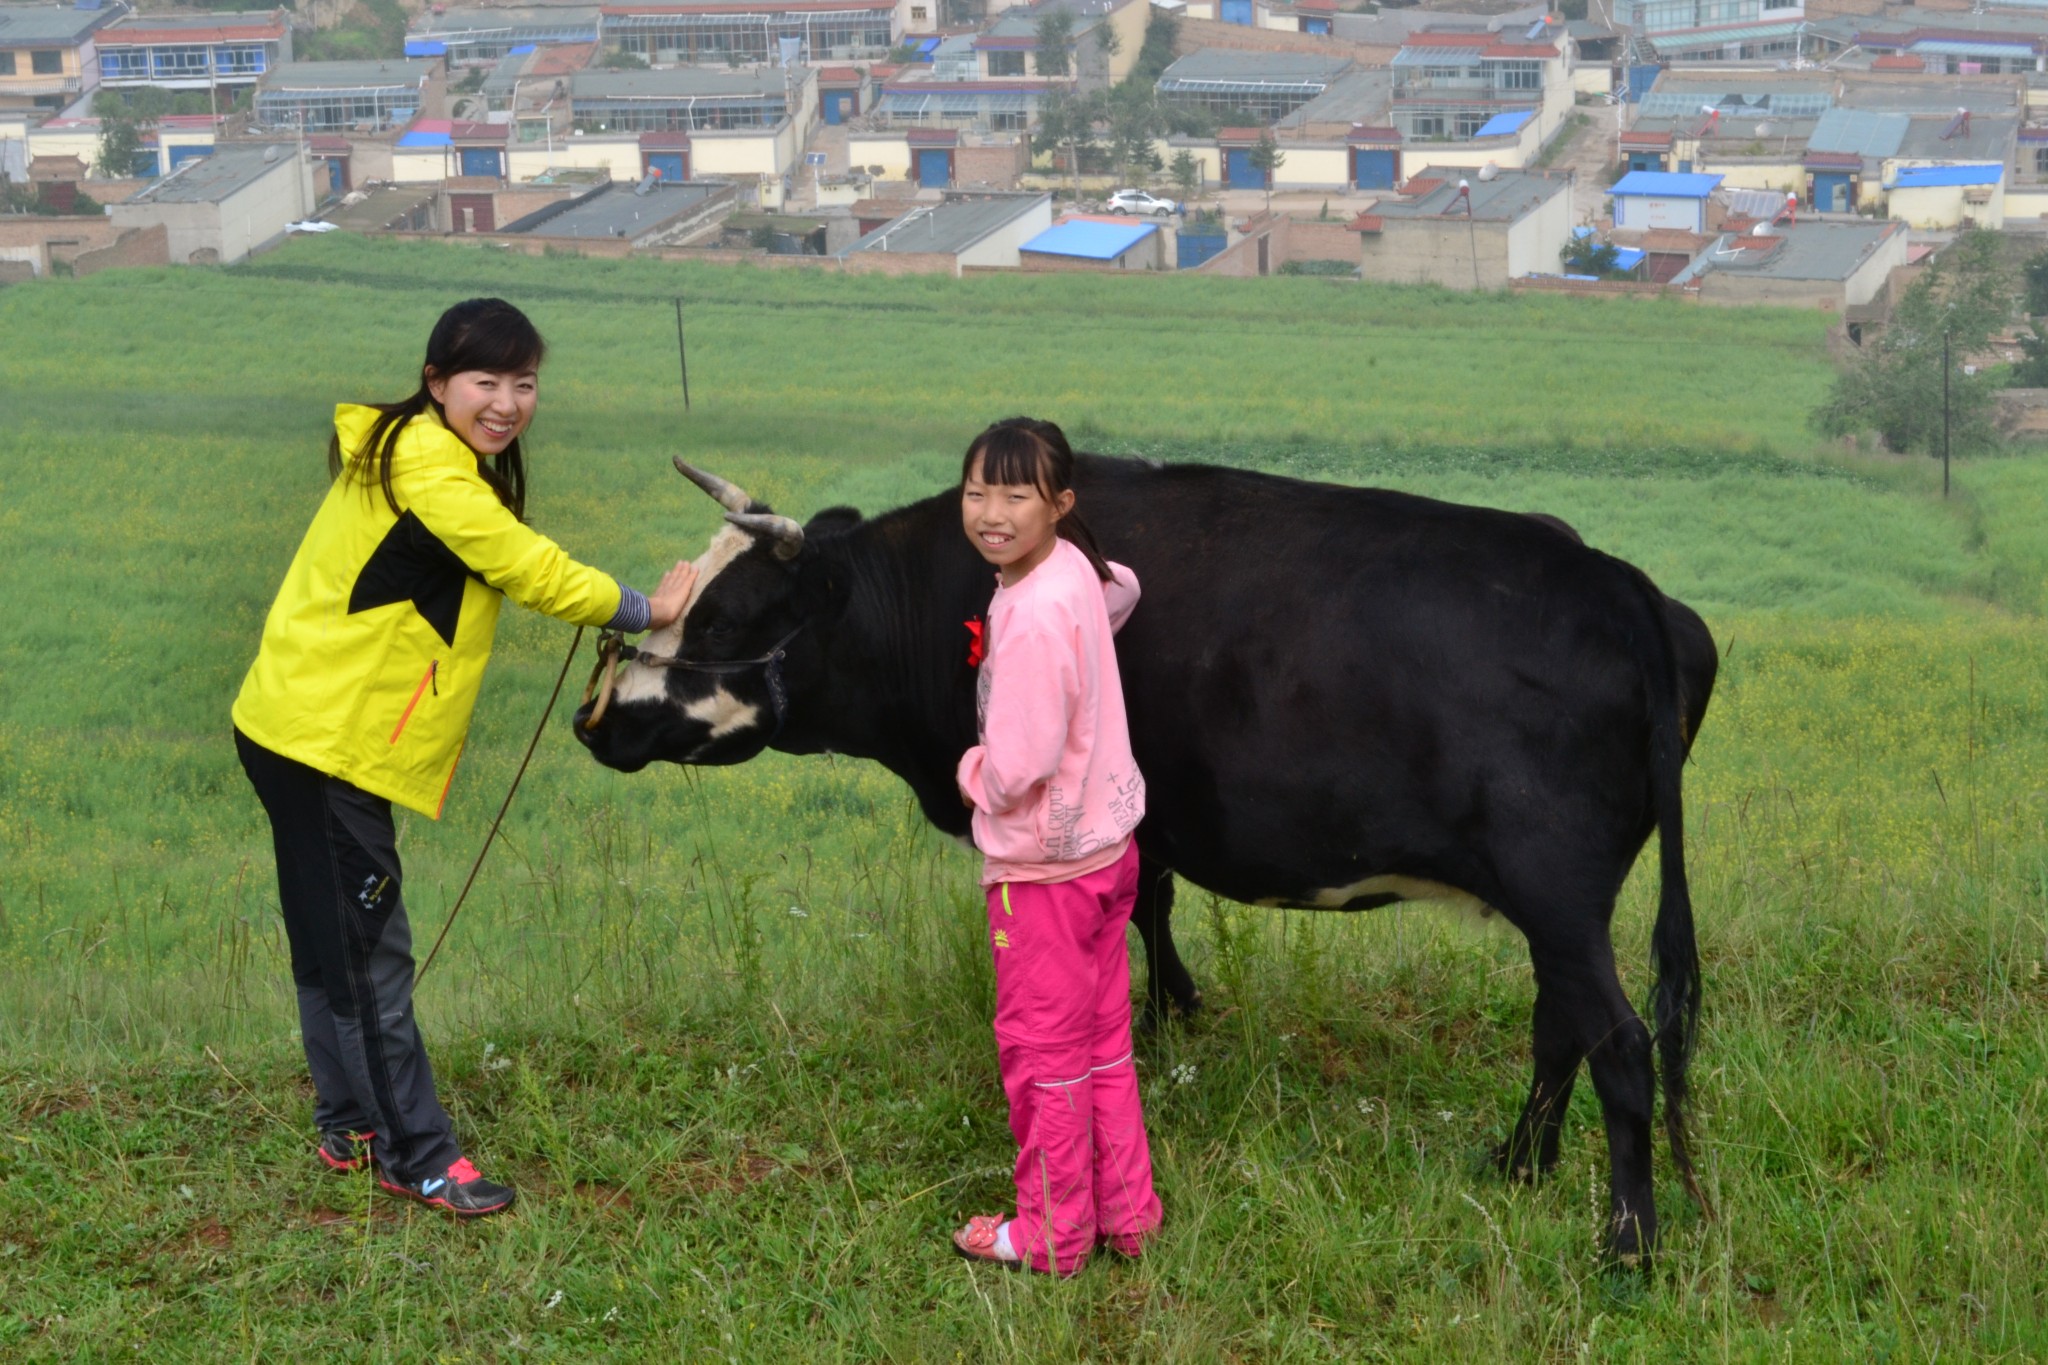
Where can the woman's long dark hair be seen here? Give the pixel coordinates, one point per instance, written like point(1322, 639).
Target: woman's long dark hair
point(1020, 450)
point(477, 334)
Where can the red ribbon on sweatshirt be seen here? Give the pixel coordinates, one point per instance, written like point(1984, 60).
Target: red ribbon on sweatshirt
point(977, 646)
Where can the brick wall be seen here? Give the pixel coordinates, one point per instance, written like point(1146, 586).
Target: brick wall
point(16, 272)
point(135, 247)
point(1240, 260)
point(902, 263)
point(997, 166)
point(35, 241)
point(1603, 288)
point(1196, 34)
point(1321, 241)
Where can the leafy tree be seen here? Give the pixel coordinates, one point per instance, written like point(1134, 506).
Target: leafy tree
point(1266, 158)
point(1186, 172)
point(618, 59)
point(1589, 256)
point(1155, 54)
point(1108, 39)
point(2036, 275)
point(2032, 372)
point(1055, 31)
point(120, 140)
point(1136, 123)
point(1895, 386)
point(1066, 123)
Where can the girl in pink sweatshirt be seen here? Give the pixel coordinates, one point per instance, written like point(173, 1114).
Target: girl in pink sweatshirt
point(1056, 795)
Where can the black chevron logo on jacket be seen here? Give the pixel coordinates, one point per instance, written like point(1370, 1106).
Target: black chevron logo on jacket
point(412, 564)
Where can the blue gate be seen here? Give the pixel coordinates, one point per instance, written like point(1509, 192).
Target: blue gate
point(934, 168)
point(835, 105)
point(669, 166)
point(1237, 12)
point(1191, 249)
point(337, 175)
point(180, 155)
point(1321, 26)
point(1640, 79)
point(1831, 191)
point(1238, 171)
point(1372, 169)
point(1646, 161)
point(488, 161)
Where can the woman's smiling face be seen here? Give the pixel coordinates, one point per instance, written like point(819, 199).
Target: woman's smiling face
point(488, 409)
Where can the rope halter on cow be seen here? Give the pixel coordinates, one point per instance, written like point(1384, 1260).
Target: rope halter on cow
point(787, 536)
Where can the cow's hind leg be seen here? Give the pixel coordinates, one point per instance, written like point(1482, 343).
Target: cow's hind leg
point(1168, 987)
point(1531, 1152)
point(1575, 974)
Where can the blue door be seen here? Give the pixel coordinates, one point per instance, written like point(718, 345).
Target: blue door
point(180, 155)
point(1646, 161)
point(1315, 26)
point(1191, 249)
point(1831, 191)
point(483, 161)
point(337, 175)
point(835, 105)
point(1238, 171)
point(934, 168)
point(668, 165)
point(1237, 12)
point(1372, 170)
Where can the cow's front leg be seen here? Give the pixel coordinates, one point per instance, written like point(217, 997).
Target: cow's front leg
point(1168, 987)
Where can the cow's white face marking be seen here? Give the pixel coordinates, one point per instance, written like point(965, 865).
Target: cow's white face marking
point(723, 712)
point(638, 682)
point(1389, 884)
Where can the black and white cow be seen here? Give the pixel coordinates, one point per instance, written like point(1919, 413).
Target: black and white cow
point(1340, 698)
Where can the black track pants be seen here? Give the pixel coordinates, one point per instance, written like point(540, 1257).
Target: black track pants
point(338, 882)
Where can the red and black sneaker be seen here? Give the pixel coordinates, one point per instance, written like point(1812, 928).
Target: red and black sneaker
point(343, 1150)
point(461, 1190)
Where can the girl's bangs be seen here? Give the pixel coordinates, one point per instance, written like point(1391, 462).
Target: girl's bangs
point(1013, 456)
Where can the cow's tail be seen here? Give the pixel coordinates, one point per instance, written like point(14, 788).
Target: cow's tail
point(1675, 995)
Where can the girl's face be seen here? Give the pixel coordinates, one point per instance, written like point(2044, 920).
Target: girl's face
point(487, 408)
point(1012, 524)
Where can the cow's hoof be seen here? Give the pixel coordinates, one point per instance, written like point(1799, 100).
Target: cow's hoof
point(1175, 1011)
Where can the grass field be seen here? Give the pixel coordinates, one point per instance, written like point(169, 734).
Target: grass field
point(727, 1030)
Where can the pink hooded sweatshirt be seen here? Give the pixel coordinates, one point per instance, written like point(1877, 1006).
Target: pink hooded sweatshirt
point(1055, 790)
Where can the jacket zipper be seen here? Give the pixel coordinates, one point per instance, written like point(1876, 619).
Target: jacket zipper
point(431, 679)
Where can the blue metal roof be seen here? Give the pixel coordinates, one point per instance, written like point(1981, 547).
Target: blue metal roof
point(425, 47)
point(425, 140)
point(1921, 177)
point(1959, 47)
point(1628, 257)
point(1667, 184)
point(1094, 241)
point(1500, 125)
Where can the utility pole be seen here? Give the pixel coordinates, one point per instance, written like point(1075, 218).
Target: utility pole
point(1944, 414)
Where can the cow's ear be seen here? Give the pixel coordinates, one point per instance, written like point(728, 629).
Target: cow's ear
point(833, 521)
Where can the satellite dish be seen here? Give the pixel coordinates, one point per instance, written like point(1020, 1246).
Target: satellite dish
point(1760, 230)
point(1489, 171)
point(1764, 129)
point(271, 153)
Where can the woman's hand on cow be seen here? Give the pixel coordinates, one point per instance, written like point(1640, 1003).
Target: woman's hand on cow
point(665, 604)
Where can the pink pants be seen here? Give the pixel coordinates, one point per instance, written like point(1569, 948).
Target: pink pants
point(1063, 1040)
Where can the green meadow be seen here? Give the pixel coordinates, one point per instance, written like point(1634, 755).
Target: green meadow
point(727, 1030)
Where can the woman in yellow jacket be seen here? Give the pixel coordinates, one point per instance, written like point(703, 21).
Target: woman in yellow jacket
point(361, 695)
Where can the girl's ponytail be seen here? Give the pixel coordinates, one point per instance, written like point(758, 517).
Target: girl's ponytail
point(1024, 450)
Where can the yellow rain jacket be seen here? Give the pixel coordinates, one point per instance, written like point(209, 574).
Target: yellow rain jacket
point(375, 647)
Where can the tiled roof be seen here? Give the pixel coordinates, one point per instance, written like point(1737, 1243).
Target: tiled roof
point(1519, 50)
point(1645, 138)
point(1366, 222)
point(1316, 6)
point(932, 137)
point(1891, 61)
point(1239, 134)
point(656, 142)
point(1361, 132)
point(225, 31)
point(1420, 185)
point(839, 75)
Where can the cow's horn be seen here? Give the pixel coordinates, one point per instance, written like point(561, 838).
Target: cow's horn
point(730, 496)
point(789, 536)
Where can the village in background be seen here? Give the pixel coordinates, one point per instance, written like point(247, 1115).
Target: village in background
point(1810, 153)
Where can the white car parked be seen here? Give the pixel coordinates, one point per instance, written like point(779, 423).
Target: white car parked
point(1140, 201)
